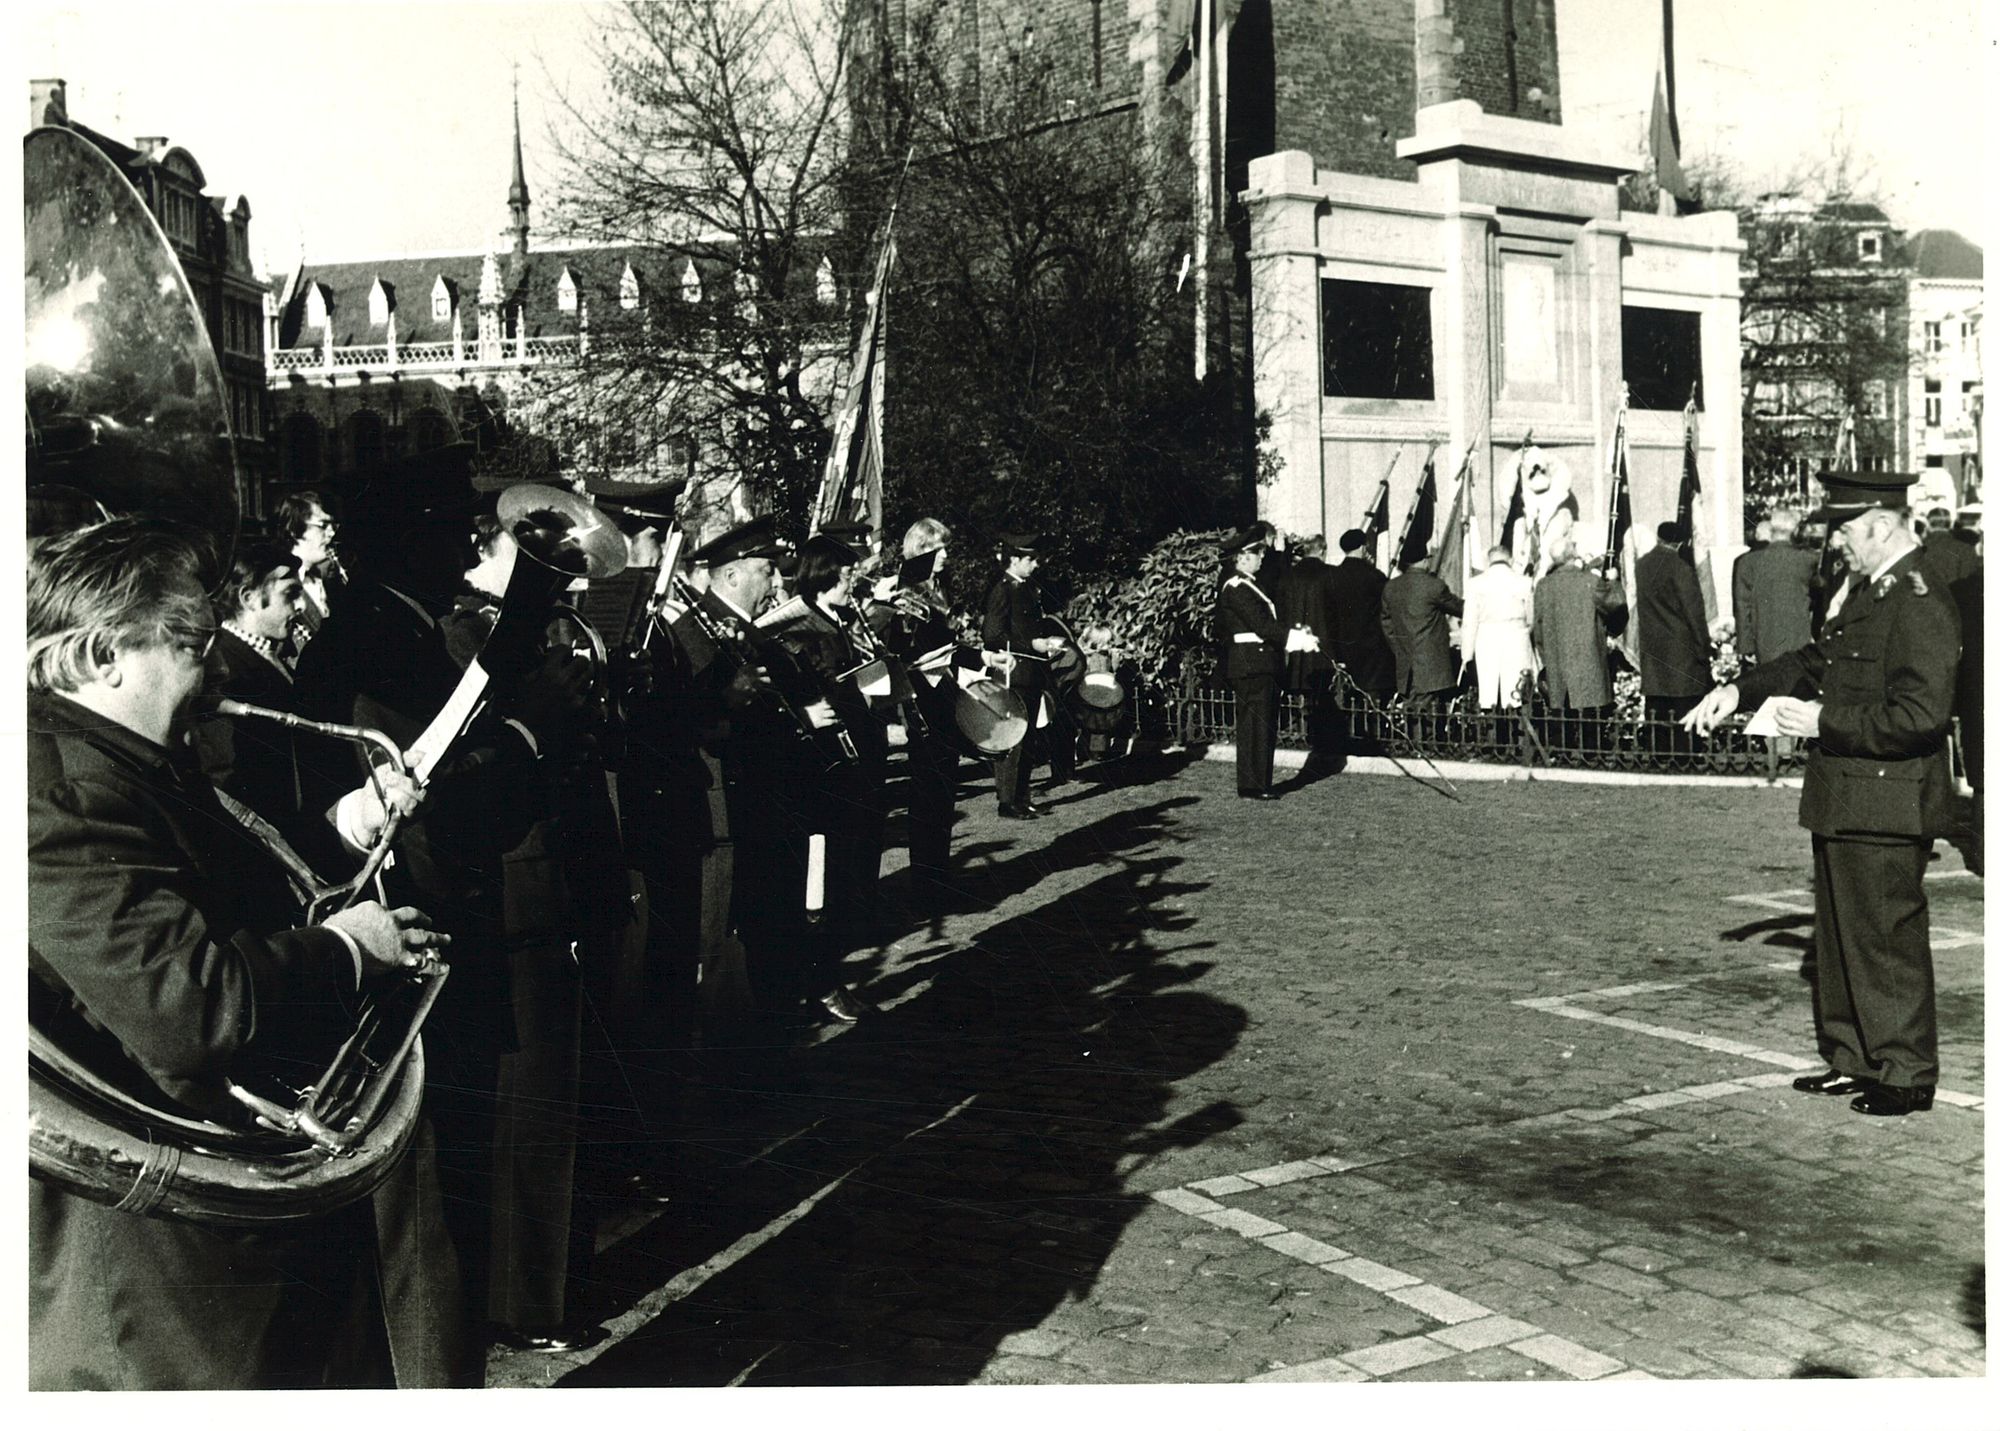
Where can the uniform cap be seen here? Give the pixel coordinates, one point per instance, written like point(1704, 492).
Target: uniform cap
point(1021, 543)
point(1250, 536)
point(757, 537)
point(1849, 494)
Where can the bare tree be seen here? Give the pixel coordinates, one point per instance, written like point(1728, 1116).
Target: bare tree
point(717, 145)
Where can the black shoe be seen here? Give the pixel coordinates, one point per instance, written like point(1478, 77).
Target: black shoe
point(1256, 795)
point(842, 1007)
point(1885, 1100)
point(548, 1339)
point(1833, 1083)
point(1017, 812)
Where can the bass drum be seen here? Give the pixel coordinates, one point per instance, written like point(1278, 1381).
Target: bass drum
point(1099, 703)
point(990, 718)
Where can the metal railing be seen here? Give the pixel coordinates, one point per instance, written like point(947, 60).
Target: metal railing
point(1535, 736)
point(375, 356)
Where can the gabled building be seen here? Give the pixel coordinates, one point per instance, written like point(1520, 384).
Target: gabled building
point(1947, 390)
point(210, 236)
point(379, 358)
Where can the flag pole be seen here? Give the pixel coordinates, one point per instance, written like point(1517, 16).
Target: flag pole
point(1203, 180)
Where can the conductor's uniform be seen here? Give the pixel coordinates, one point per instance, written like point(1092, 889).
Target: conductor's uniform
point(1878, 791)
point(1253, 643)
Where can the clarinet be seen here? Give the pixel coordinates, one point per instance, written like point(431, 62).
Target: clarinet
point(745, 656)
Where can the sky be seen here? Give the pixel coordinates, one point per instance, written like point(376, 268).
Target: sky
point(364, 127)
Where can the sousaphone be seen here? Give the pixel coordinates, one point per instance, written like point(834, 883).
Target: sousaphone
point(126, 415)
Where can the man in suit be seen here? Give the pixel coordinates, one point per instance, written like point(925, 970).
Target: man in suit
point(1305, 603)
point(1576, 609)
point(1253, 641)
point(1673, 636)
point(1015, 628)
point(1416, 607)
point(303, 522)
point(1773, 593)
point(163, 935)
point(1951, 553)
point(253, 761)
point(1878, 791)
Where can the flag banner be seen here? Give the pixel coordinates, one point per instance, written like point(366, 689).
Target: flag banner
point(1449, 560)
point(1376, 520)
point(1687, 510)
point(850, 490)
point(1422, 520)
point(1660, 139)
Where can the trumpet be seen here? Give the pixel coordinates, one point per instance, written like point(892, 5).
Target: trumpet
point(745, 656)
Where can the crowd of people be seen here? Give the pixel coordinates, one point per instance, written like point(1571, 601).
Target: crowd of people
point(657, 831)
point(1544, 625)
point(645, 833)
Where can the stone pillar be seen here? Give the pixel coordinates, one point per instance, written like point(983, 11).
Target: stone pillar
point(1284, 206)
point(1437, 54)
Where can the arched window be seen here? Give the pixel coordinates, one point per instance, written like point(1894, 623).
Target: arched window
point(690, 284)
point(824, 288)
point(429, 429)
point(363, 441)
point(441, 297)
point(566, 292)
point(628, 288)
point(301, 451)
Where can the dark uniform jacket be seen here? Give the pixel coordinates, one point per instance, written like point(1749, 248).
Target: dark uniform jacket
point(1951, 556)
point(1415, 605)
point(1305, 598)
point(1354, 601)
point(1248, 630)
point(1673, 629)
point(161, 949)
point(1773, 596)
point(1884, 667)
point(1014, 619)
point(1574, 607)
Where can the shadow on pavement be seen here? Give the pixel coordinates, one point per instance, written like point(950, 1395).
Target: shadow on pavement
point(954, 1169)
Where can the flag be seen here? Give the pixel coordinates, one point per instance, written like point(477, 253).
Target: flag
point(850, 490)
point(1375, 520)
point(1690, 480)
point(1181, 36)
point(1618, 561)
point(1684, 509)
point(1418, 525)
point(1517, 507)
point(1666, 149)
point(1453, 548)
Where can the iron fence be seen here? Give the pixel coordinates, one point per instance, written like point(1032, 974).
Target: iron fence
point(1351, 722)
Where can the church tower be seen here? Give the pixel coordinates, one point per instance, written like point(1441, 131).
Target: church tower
point(517, 191)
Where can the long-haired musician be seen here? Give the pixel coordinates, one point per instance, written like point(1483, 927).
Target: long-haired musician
point(162, 939)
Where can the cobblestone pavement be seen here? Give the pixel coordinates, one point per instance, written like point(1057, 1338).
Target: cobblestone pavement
point(1366, 1084)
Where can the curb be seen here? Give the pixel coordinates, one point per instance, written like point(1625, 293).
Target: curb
point(1473, 770)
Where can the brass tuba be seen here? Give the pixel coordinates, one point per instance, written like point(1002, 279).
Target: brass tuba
point(126, 416)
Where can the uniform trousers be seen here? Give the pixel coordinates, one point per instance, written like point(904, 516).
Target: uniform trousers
point(1256, 731)
point(1013, 773)
point(1874, 1001)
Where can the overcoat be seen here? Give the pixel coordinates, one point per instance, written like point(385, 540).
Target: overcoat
point(1415, 605)
point(161, 940)
point(1572, 607)
point(1673, 631)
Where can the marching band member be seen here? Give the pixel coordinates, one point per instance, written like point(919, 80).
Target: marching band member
point(161, 932)
point(1016, 629)
point(912, 620)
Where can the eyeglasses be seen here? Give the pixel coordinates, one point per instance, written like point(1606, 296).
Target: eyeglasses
point(197, 641)
point(322, 524)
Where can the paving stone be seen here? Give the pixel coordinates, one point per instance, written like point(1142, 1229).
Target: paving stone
point(1372, 1275)
point(1750, 1361)
point(1665, 1360)
point(1714, 1281)
point(1544, 1253)
point(1285, 1173)
point(1326, 1369)
point(1032, 1371)
point(1490, 1364)
point(1795, 1310)
point(1619, 1279)
point(1246, 1224)
point(1223, 1186)
point(1396, 1356)
point(1485, 1332)
point(1035, 1341)
point(1568, 1357)
point(1305, 1249)
point(1182, 1200)
point(1639, 1259)
point(1438, 1304)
